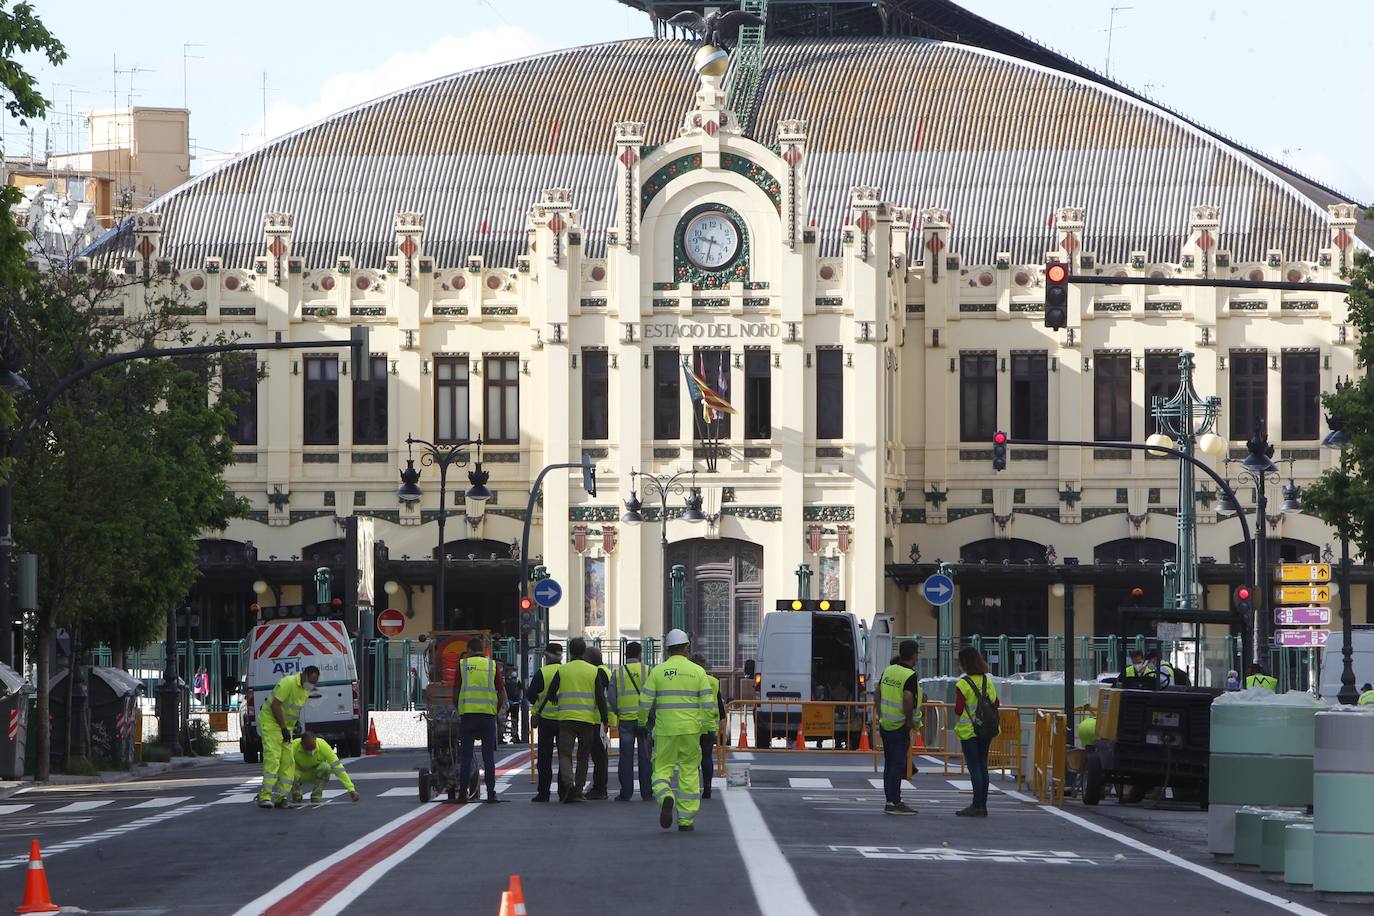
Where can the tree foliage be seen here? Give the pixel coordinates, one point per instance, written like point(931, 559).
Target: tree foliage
point(1343, 496)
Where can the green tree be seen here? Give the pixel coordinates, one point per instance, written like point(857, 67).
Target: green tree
point(1343, 496)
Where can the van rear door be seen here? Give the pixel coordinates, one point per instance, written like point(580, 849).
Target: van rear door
point(785, 657)
point(288, 647)
point(880, 648)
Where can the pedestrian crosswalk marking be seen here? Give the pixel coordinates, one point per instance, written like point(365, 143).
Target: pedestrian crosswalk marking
point(964, 785)
point(74, 807)
point(809, 782)
point(12, 809)
point(166, 802)
point(403, 792)
point(234, 799)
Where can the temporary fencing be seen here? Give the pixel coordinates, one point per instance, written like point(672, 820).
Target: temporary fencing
point(841, 724)
point(1047, 756)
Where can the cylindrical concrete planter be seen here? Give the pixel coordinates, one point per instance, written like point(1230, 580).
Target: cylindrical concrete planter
point(1343, 798)
point(1297, 854)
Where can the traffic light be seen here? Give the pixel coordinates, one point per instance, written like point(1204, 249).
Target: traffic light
point(999, 451)
point(362, 353)
point(833, 605)
point(588, 475)
point(1245, 597)
point(1056, 295)
point(527, 616)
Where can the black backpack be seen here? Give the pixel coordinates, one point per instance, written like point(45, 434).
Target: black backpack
point(986, 719)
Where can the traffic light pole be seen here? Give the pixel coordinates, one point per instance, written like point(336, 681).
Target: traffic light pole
point(1246, 636)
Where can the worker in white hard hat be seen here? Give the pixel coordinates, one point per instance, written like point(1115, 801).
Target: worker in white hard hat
point(676, 701)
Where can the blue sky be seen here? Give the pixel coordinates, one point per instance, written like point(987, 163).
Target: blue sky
point(1281, 78)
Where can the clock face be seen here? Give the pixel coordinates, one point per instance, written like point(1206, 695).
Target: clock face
point(711, 240)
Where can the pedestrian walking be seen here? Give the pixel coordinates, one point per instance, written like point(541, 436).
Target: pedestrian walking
point(626, 687)
point(578, 689)
point(478, 694)
point(544, 718)
point(515, 699)
point(201, 687)
point(278, 717)
point(711, 726)
point(976, 708)
point(601, 761)
point(675, 700)
point(313, 763)
point(898, 707)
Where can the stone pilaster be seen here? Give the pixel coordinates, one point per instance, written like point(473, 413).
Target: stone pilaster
point(147, 239)
point(629, 137)
point(1342, 233)
point(792, 140)
point(1069, 226)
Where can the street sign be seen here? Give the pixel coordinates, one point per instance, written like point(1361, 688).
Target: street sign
point(1302, 639)
point(1302, 616)
point(1302, 594)
point(1302, 572)
point(1170, 632)
point(391, 622)
point(938, 589)
point(547, 592)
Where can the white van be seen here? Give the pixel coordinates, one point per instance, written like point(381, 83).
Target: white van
point(288, 645)
point(1361, 656)
point(810, 655)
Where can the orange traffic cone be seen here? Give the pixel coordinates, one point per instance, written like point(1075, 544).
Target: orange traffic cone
point(800, 743)
point(864, 746)
point(36, 896)
point(374, 744)
point(517, 896)
point(917, 741)
point(507, 908)
point(743, 736)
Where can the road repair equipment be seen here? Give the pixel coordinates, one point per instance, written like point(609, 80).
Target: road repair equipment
point(444, 650)
point(374, 744)
point(36, 896)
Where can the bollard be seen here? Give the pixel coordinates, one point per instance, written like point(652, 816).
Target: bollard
point(1297, 854)
point(1343, 803)
point(1272, 843)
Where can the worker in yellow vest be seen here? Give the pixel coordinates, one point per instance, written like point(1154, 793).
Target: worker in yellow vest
point(1367, 695)
point(479, 695)
point(626, 686)
point(278, 717)
point(899, 712)
point(601, 759)
point(713, 728)
point(578, 690)
point(544, 716)
point(675, 701)
point(1255, 677)
point(313, 762)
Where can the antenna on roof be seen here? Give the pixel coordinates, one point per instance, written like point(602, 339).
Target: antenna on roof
point(1111, 27)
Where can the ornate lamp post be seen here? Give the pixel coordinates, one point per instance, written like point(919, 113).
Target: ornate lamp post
point(1338, 438)
point(663, 485)
point(475, 498)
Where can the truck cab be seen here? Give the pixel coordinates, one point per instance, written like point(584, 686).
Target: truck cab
point(815, 651)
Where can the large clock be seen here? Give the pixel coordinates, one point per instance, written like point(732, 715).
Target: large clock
point(711, 240)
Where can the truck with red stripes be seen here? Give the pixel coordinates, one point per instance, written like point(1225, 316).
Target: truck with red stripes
point(286, 645)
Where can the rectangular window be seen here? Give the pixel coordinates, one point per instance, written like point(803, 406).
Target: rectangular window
point(503, 399)
point(596, 398)
point(758, 395)
point(1112, 397)
point(1301, 394)
point(667, 391)
point(369, 406)
point(830, 393)
point(321, 400)
point(746, 630)
point(594, 592)
point(241, 392)
point(1030, 396)
point(451, 399)
point(1249, 392)
point(977, 396)
point(1161, 381)
point(713, 365)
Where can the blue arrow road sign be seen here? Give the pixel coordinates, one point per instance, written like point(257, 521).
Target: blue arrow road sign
point(548, 592)
point(938, 589)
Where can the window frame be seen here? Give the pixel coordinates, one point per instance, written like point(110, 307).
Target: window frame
point(457, 360)
point(830, 402)
point(596, 371)
point(713, 362)
point(973, 416)
point(1119, 427)
point(506, 425)
point(667, 394)
point(238, 370)
point(320, 401)
point(376, 389)
point(1300, 408)
point(1035, 424)
point(758, 394)
point(1255, 399)
point(1172, 376)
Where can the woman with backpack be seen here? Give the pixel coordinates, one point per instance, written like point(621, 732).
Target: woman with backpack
point(975, 705)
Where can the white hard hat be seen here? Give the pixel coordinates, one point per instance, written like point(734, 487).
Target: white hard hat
point(675, 638)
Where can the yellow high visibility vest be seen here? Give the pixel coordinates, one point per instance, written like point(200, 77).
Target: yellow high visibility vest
point(293, 696)
point(678, 694)
point(710, 723)
point(477, 692)
point(629, 682)
point(542, 709)
point(577, 692)
point(891, 703)
point(324, 758)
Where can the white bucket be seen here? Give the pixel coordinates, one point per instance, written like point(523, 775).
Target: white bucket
point(737, 776)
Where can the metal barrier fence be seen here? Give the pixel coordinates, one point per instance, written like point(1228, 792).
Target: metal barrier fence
point(1048, 773)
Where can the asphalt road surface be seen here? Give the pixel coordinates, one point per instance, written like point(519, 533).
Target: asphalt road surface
point(808, 837)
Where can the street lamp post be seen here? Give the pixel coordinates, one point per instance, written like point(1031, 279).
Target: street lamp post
point(1338, 438)
point(475, 498)
point(663, 485)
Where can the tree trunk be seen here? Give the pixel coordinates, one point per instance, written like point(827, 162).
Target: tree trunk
point(79, 711)
point(68, 744)
point(42, 734)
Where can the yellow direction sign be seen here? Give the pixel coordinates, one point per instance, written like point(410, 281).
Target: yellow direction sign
point(1302, 594)
point(1302, 572)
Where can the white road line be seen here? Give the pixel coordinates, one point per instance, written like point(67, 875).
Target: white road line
point(742, 755)
point(965, 785)
point(235, 799)
point(774, 883)
point(74, 807)
point(165, 802)
point(805, 782)
point(1226, 881)
point(11, 809)
point(404, 792)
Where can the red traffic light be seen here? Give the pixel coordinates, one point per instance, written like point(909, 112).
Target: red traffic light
point(999, 438)
point(1243, 593)
point(526, 604)
point(1056, 273)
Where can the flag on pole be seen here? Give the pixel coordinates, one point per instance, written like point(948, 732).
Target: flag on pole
point(711, 404)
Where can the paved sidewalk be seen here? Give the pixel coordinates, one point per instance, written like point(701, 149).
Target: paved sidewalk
point(9, 787)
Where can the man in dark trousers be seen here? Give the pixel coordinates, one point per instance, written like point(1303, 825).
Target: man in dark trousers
point(479, 693)
point(712, 727)
point(897, 706)
point(514, 698)
point(545, 722)
point(579, 689)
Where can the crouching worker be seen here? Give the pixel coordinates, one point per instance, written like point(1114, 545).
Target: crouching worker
point(312, 762)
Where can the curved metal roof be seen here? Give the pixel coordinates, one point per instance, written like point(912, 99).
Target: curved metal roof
point(998, 141)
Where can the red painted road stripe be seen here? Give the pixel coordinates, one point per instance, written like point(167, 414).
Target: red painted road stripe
point(323, 887)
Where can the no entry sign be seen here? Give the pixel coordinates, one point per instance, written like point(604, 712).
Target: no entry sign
point(391, 622)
